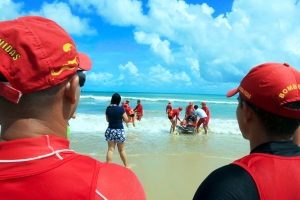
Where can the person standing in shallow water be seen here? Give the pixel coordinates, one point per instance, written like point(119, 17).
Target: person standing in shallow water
point(115, 133)
point(139, 110)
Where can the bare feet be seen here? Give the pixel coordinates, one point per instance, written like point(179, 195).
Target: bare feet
point(128, 166)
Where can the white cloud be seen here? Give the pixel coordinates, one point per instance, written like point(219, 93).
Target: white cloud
point(195, 69)
point(157, 45)
point(100, 78)
point(129, 68)
point(10, 10)
point(160, 75)
point(117, 12)
point(62, 14)
point(225, 47)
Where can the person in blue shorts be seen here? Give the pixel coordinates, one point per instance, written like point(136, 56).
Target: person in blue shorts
point(115, 133)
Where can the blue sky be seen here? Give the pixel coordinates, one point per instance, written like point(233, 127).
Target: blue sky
point(174, 46)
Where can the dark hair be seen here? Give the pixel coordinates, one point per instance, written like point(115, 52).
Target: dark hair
point(138, 101)
point(273, 124)
point(115, 99)
point(195, 106)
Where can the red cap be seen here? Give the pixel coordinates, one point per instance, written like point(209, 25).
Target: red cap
point(270, 86)
point(36, 53)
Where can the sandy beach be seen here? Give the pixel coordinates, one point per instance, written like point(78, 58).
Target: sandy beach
point(178, 176)
point(173, 176)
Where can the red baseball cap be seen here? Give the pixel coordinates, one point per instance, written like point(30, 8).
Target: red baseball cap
point(36, 53)
point(270, 86)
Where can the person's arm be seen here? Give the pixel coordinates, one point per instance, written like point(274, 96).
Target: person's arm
point(125, 118)
point(230, 182)
point(107, 118)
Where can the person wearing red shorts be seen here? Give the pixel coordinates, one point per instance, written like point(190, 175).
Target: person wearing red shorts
point(201, 117)
point(174, 113)
point(207, 111)
point(139, 110)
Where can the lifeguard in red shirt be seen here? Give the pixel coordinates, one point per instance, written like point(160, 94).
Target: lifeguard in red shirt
point(130, 113)
point(189, 109)
point(139, 110)
point(206, 110)
point(168, 108)
point(174, 113)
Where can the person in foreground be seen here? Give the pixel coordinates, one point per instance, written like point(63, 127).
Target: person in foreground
point(268, 114)
point(39, 92)
point(115, 133)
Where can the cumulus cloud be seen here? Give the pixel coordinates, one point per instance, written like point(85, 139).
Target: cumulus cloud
point(187, 36)
point(157, 45)
point(159, 75)
point(117, 12)
point(104, 78)
point(129, 68)
point(10, 10)
point(62, 14)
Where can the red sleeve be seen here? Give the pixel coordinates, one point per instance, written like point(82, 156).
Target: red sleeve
point(118, 182)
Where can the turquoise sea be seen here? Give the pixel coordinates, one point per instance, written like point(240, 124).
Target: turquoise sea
point(151, 134)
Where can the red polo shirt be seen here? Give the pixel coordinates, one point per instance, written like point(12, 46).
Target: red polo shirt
point(46, 168)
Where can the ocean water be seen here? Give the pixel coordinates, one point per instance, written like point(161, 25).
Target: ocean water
point(151, 134)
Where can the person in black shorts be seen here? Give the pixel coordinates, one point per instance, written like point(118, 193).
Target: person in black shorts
point(268, 114)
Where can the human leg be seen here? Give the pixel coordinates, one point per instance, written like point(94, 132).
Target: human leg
point(121, 149)
point(133, 118)
point(171, 126)
point(110, 151)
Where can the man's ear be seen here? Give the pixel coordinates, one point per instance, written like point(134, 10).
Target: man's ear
point(71, 89)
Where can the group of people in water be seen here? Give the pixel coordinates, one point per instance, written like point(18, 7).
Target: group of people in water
point(131, 112)
point(194, 116)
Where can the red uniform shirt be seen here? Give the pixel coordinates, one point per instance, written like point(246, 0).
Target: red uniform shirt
point(168, 108)
point(206, 110)
point(276, 177)
point(188, 110)
point(173, 113)
point(128, 110)
point(139, 110)
point(45, 168)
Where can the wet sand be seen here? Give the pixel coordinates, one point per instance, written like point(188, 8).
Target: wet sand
point(172, 176)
